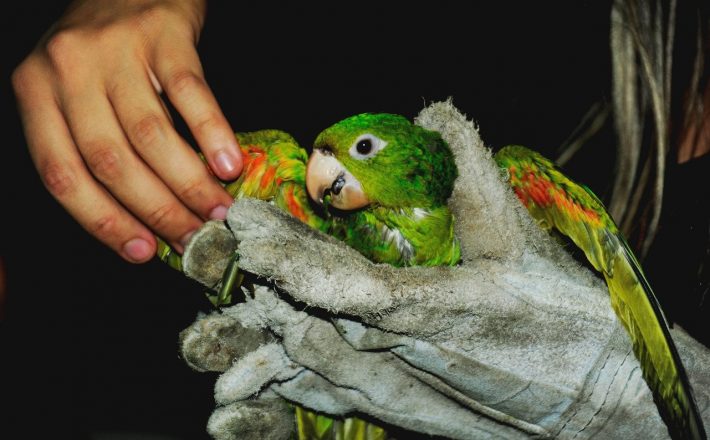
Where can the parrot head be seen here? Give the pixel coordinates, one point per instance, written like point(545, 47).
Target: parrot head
point(380, 160)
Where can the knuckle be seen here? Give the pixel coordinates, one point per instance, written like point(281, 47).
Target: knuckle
point(106, 38)
point(183, 80)
point(206, 124)
point(153, 15)
point(192, 190)
point(159, 14)
point(22, 77)
point(104, 161)
point(104, 226)
point(148, 131)
point(73, 52)
point(62, 46)
point(59, 180)
point(162, 216)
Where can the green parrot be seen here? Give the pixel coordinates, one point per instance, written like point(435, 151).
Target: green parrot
point(377, 182)
point(380, 184)
point(396, 178)
point(561, 205)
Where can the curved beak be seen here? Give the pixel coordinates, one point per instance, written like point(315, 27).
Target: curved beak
point(325, 176)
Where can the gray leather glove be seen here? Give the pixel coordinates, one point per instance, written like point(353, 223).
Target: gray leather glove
point(517, 341)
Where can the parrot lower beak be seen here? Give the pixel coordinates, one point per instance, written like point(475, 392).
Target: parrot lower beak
point(325, 176)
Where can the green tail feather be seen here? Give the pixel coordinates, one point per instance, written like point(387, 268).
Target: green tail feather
point(313, 426)
point(654, 348)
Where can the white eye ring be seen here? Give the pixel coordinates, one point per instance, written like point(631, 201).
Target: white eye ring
point(366, 146)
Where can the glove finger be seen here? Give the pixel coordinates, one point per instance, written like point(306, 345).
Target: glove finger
point(417, 407)
point(257, 419)
point(254, 372)
point(212, 342)
point(361, 337)
point(312, 267)
point(207, 254)
point(489, 221)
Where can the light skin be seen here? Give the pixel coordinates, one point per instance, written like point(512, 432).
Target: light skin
point(90, 97)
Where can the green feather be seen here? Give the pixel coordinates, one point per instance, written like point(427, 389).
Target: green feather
point(408, 222)
point(416, 169)
point(559, 203)
point(408, 183)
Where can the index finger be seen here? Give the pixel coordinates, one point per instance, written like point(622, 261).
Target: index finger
point(180, 74)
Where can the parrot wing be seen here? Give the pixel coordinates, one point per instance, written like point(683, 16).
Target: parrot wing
point(274, 170)
point(560, 204)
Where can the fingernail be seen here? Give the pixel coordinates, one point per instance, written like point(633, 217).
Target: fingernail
point(225, 162)
point(219, 213)
point(186, 238)
point(137, 249)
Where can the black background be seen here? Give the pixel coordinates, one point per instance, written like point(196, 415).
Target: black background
point(89, 342)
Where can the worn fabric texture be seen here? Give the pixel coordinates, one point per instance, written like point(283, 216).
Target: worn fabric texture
point(518, 341)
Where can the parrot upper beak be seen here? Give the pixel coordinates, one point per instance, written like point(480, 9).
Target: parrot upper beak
point(325, 175)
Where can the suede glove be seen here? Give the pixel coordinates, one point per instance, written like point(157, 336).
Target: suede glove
point(517, 341)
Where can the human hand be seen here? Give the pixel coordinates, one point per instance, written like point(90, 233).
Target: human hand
point(100, 135)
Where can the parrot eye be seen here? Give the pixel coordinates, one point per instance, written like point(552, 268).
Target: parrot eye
point(366, 146)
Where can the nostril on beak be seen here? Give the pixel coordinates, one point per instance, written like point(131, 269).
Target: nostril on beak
point(338, 184)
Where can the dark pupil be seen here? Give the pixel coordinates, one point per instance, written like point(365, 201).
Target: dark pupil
point(364, 146)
